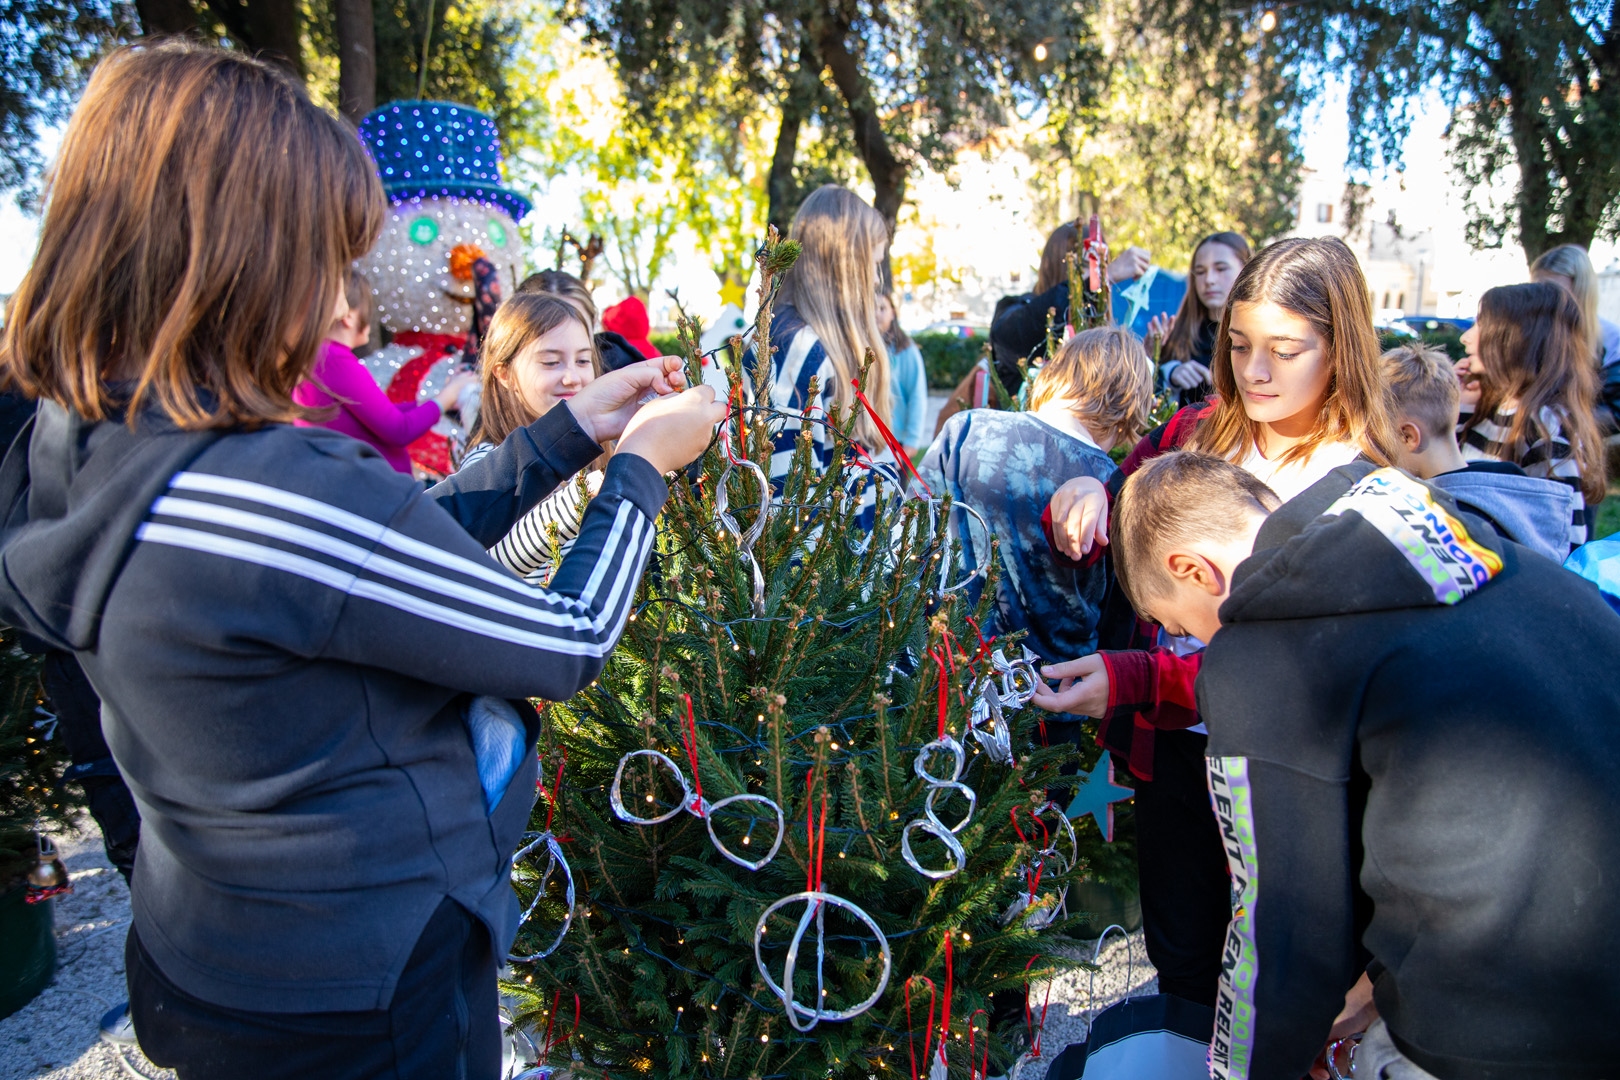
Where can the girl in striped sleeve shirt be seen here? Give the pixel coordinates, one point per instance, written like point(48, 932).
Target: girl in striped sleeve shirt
point(539, 352)
point(1534, 390)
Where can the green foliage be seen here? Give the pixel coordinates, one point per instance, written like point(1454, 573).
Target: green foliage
point(1183, 142)
point(49, 48)
point(837, 677)
point(1535, 89)
point(1608, 516)
point(31, 763)
point(947, 358)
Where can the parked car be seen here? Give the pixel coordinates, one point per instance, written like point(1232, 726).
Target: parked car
point(1429, 323)
point(956, 328)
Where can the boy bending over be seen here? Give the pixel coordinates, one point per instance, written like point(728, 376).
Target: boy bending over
point(1412, 752)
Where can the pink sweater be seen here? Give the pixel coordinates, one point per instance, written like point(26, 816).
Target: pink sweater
point(364, 411)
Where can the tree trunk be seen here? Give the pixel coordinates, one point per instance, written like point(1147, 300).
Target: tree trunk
point(266, 28)
point(357, 58)
point(887, 172)
point(781, 189)
point(166, 16)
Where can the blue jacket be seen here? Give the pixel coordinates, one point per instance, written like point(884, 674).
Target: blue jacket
point(1007, 466)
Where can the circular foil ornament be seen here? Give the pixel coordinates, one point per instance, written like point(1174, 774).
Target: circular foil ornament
point(988, 725)
point(694, 805)
point(804, 1017)
point(555, 861)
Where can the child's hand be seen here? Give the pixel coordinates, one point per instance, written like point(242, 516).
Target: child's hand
point(1357, 1015)
point(1131, 263)
point(672, 431)
point(1468, 372)
point(1079, 516)
point(1189, 374)
point(604, 408)
point(1083, 689)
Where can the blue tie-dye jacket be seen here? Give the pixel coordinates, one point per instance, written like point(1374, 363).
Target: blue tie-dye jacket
point(1007, 466)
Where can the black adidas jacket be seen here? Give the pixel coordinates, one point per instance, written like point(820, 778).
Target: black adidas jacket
point(284, 633)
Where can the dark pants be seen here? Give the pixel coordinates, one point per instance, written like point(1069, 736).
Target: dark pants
point(78, 721)
point(441, 1025)
point(1186, 890)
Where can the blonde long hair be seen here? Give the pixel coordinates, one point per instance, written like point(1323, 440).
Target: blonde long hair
point(199, 224)
point(1571, 261)
point(833, 287)
point(1319, 280)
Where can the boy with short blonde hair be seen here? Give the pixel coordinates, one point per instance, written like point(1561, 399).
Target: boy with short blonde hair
point(1095, 394)
point(1529, 510)
point(1415, 841)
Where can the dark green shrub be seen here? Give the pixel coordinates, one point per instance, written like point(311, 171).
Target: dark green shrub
point(948, 358)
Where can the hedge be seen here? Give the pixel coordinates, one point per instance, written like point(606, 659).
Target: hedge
point(948, 358)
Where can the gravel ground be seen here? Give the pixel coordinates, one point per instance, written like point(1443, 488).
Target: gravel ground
point(55, 1037)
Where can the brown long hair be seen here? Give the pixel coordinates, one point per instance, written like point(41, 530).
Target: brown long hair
point(1532, 345)
point(1191, 314)
point(516, 324)
point(199, 224)
point(1319, 280)
point(833, 287)
point(1054, 257)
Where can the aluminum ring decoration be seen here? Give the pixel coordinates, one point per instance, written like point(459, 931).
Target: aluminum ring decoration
point(746, 538)
point(930, 822)
point(557, 861)
point(1048, 914)
point(977, 572)
point(698, 807)
point(988, 725)
point(803, 1017)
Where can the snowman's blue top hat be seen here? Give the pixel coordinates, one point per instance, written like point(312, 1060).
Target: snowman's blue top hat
point(428, 149)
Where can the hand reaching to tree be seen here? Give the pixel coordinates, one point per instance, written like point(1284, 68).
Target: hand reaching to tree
point(1188, 374)
point(1357, 1015)
point(1082, 687)
point(604, 408)
point(1079, 516)
point(1129, 264)
point(674, 430)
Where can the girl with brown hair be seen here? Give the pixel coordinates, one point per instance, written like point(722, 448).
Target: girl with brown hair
point(1189, 335)
point(1528, 354)
point(1018, 327)
point(1301, 390)
point(313, 676)
point(539, 352)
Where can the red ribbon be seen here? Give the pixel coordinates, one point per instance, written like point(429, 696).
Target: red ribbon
point(928, 1038)
point(981, 1071)
point(1046, 838)
point(547, 1045)
point(1029, 1016)
point(815, 838)
point(888, 437)
point(945, 1012)
point(689, 736)
point(556, 790)
point(944, 690)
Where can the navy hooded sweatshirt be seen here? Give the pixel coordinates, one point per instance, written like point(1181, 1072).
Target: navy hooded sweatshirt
point(286, 634)
point(1414, 743)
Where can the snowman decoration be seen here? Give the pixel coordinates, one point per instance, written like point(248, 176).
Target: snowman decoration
point(448, 252)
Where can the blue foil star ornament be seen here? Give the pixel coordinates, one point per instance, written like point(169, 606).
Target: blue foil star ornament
point(1097, 795)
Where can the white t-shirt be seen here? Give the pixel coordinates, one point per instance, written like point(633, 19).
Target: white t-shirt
point(1294, 477)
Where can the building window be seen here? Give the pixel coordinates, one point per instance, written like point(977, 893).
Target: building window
point(1386, 299)
point(1400, 301)
point(1324, 213)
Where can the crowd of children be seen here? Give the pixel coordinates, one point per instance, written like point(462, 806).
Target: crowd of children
point(1318, 615)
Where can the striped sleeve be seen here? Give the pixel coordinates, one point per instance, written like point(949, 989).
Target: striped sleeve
point(1548, 456)
point(526, 550)
point(416, 594)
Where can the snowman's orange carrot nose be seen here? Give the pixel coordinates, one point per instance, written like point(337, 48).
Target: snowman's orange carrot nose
point(462, 257)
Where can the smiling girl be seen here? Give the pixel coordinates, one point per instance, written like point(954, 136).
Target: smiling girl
point(539, 352)
point(1300, 391)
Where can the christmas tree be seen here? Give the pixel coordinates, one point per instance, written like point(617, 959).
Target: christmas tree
point(799, 827)
point(30, 763)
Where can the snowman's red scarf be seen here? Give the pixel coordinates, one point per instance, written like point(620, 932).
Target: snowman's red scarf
point(432, 451)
